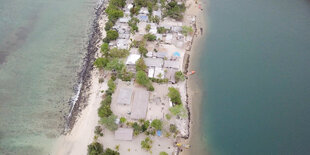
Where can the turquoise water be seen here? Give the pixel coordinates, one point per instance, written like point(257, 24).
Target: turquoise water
point(42, 45)
point(255, 71)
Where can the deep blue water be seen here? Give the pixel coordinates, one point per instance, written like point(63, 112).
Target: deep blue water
point(256, 76)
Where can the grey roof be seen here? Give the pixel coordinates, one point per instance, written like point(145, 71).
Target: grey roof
point(140, 104)
point(143, 18)
point(170, 74)
point(171, 64)
point(153, 62)
point(123, 134)
point(124, 19)
point(161, 54)
point(124, 96)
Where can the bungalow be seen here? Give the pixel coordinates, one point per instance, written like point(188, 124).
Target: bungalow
point(153, 62)
point(171, 64)
point(143, 18)
point(124, 96)
point(122, 43)
point(132, 59)
point(144, 10)
point(140, 104)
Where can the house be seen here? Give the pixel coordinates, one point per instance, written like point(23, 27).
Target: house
point(123, 134)
point(124, 19)
point(171, 64)
point(161, 55)
point(122, 43)
point(124, 96)
point(139, 104)
point(150, 72)
point(144, 10)
point(153, 29)
point(157, 13)
point(153, 62)
point(132, 59)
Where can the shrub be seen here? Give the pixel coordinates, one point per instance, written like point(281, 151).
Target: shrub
point(165, 80)
point(107, 100)
point(145, 125)
point(122, 120)
point(155, 19)
point(94, 148)
point(140, 65)
point(168, 116)
point(111, 35)
point(146, 144)
point(136, 128)
point(125, 76)
point(174, 95)
point(161, 30)
point(150, 37)
point(173, 128)
point(118, 53)
point(109, 122)
point(119, 3)
point(179, 76)
point(111, 85)
point(186, 30)
point(163, 153)
point(98, 130)
point(157, 124)
point(105, 49)
point(101, 62)
point(178, 110)
point(114, 13)
point(101, 80)
point(148, 27)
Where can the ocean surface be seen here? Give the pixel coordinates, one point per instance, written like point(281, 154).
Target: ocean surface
point(254, 67)
point(42, 46)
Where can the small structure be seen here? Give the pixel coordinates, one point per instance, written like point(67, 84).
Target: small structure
point(153, 29)
point(124, 96)
point(140, 104)
point(143, 18)
point(123, 134)
point(153, 62)
point(171, 64)
point(159, 36)
point(132, 59)
point(168, 39)
point(151, 72)
point(124, 19)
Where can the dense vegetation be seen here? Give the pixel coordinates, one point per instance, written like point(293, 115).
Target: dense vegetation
point(174, 10)
point(178, 110)
point(147, 144)
point(149, 37)
point(174, 95)
point(140, 65)
point(179, 76)
point(96, 148)
point(157, 124)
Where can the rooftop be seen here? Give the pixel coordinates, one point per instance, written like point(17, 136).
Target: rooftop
point(132, 58)
point(124, 96)
point(153, 62)
point(140, 104)
point(171, 64)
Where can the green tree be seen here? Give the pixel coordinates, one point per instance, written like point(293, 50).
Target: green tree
point(150, 37)
point(155, 19)
point(179, 76)
point(119, 3)
point(122, 120)
point(157, 124)
point(145, 125)
point(105, 49)
point(109, 122)
point(133, 24)
point(111, 85)
point(186, 30)
point(108, 25)
point(109, 151)
point(142, 50)
point(115, 64)
point(174, 10)
point(174, 95)
point(98, 130)
point(94, 148)
point(119, 53)
point(104, 111)
point(161, 30)
point(111, 35)
point(101, 62)
point(173, 128)
point(140, 65)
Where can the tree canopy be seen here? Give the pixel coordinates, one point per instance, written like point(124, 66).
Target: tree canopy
point(174, 95)
point(101, 62)
point(157, 124)
point(118, 53)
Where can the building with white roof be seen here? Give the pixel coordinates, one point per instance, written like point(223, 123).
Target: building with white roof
point(132, 59)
